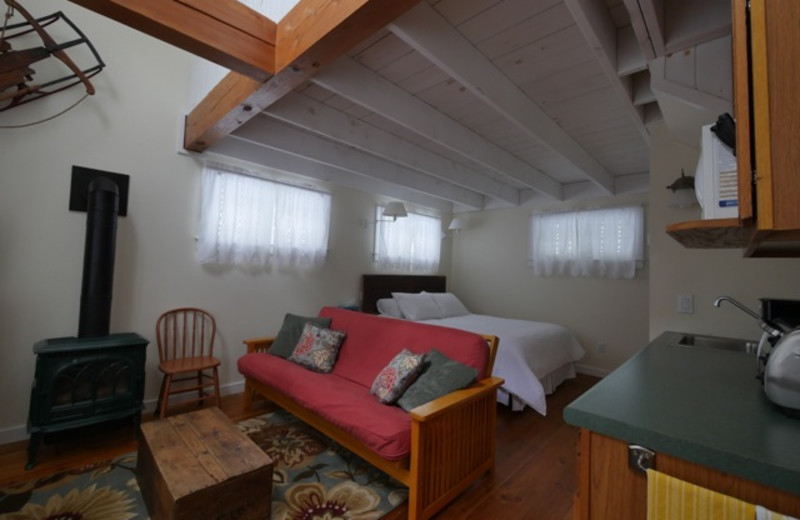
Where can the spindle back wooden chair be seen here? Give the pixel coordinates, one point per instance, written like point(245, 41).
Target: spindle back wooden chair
point(185, 339)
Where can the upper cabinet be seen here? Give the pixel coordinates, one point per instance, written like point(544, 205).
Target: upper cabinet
point(766, 51)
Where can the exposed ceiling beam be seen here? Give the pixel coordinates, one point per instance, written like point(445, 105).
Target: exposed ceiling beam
point(366, 88)
point(223, 31)
point(594, 21)
point(430, 34)
point(308, 38)
point(237, 150)
point(302, 111)
point(640, 29)
point(272, 134)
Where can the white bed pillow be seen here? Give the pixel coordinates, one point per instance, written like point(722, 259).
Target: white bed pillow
point(417, 306)
point(389, 307)
point(449, 304)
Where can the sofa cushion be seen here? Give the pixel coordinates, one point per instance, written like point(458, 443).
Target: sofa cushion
point(384, 429)
point(317, 348)
point(440, 376)
point(290, 332)
point(395, 377)
point(372, 341)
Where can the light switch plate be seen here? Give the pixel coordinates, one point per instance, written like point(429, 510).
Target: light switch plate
point(686, 303)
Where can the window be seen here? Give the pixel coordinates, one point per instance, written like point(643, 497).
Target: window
point(411, 243)
point(603, 242)
point(247, 220)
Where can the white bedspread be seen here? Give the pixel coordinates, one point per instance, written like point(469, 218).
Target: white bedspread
point(528, 351)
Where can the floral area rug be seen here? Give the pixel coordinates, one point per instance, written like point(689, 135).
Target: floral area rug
point(314, 478)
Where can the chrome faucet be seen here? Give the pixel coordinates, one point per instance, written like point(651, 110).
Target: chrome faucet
point(766, 327)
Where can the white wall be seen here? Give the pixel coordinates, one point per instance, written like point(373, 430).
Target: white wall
point(706, 274)
point(131, 126)
point(490, 273)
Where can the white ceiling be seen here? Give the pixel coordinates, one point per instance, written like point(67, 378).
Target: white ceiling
point(471, 104)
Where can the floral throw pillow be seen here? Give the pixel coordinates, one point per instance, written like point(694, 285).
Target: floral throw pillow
point(317, 348)
point(393, 380)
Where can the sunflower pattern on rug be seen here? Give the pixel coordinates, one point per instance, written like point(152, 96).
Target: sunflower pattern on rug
point(314, 478)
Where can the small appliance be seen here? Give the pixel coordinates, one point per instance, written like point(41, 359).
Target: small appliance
point(716, 179)
point(782, 369)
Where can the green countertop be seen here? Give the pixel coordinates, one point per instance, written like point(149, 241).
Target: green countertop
point(701, 405)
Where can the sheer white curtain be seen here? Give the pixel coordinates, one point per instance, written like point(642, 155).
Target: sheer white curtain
point(246, 220)
point(301, 226)
point(603, 242)
point(411, 243)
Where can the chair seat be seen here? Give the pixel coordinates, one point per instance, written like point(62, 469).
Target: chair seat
point(178, 366)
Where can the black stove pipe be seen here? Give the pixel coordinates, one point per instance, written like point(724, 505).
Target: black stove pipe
point(98, 258)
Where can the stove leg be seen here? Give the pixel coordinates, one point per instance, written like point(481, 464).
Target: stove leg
point(33, 449)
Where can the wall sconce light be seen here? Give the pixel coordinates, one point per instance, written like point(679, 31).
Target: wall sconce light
point(392, 211)
point(457, 224)
point(683, 194)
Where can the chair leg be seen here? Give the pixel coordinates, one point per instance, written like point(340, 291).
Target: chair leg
point(216, 386)
point(200, 393)
point(160, 395)
point(165, 398)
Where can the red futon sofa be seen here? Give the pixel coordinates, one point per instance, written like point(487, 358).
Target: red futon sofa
point(437, 449)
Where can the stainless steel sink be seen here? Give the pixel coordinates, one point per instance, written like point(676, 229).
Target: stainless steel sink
point(716, 342)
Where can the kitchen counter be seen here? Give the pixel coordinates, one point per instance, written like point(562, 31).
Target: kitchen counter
point(697, 404)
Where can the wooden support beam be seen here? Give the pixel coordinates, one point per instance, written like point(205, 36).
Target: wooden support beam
point(595, 23)
point(235, 149)
point(225, 32)
point(360, 85)
point(313, 116)
point(308, 38)
point(268, 133)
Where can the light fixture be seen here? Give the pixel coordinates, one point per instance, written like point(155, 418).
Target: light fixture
point(392, 211)
point(683, 194)
point(457, 224)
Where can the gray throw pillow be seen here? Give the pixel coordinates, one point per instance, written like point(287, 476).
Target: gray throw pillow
point(440, 376)
point(290, 333)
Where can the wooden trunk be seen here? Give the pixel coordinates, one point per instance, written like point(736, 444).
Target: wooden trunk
point(198, 465)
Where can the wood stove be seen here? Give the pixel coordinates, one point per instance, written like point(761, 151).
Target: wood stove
point(84, 381)
point(96, 376)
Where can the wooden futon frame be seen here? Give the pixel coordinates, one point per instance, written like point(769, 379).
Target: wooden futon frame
point(452, 438)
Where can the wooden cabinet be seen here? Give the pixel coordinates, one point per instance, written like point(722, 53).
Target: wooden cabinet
point(766, 50)
point(609, 488)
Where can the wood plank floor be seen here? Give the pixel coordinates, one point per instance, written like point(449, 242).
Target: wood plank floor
point(535, 474)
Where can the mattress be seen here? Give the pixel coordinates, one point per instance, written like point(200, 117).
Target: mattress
point(531, 354)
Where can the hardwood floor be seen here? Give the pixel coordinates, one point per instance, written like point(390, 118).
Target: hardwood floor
point(534, 477)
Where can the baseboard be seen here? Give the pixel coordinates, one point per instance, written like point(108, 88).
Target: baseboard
point(591, 371)
point(20, 433)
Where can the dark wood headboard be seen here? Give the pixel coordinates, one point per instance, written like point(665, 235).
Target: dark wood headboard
point(376, 286)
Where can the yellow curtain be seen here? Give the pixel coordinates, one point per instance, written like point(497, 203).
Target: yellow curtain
point(671, 499)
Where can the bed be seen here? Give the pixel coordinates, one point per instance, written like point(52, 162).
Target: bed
point(533, 357)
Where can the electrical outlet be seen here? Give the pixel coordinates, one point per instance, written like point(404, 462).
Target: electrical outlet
point(686, 303)
point(601, 347)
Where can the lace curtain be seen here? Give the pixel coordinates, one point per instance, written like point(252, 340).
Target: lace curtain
point(604, 242)
point(246, 220)
point(411, 243)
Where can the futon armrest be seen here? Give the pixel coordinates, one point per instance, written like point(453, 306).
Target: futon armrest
point(455, 399)
point(258, 344)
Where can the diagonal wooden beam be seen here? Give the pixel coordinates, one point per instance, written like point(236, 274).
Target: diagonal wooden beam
point(225, 32)
point(269, 133)
point(360, 85)
point(304, 112)
point(310, 36)
point(595, 23)
point(430, 34)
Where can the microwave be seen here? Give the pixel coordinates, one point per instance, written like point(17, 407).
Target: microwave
point(716, 180)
